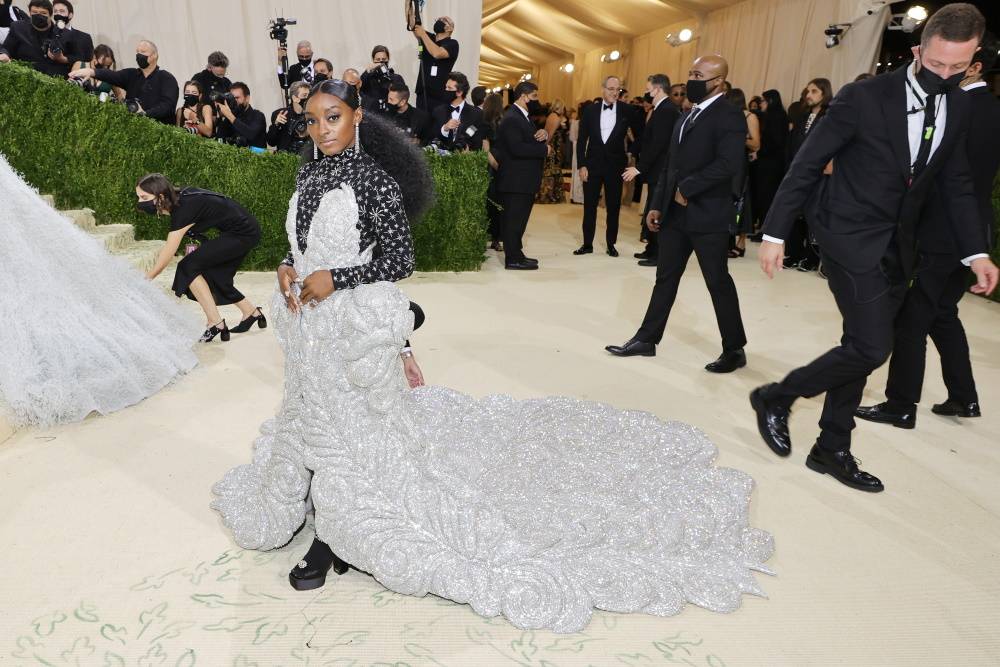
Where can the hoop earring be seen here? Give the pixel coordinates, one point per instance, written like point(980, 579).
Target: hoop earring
point(357, 137)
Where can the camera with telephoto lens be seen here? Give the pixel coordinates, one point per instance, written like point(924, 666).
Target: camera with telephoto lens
point(132, 104)
point(88, 85)
point(223, 96)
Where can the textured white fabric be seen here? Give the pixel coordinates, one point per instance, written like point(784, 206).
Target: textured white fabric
point(539, 510)
point(81, 331)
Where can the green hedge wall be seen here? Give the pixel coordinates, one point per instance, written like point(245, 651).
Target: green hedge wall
point(89, 154)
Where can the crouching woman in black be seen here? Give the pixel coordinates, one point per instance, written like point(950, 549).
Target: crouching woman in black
point(205, 275)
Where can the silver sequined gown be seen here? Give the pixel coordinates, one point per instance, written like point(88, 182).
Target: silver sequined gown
point(539, 510)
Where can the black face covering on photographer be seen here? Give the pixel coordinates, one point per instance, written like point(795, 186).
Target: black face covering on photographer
point(31, 40)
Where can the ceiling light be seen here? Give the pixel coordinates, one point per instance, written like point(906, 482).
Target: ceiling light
point(917, 12)
point(568, 68)
point(685, 35)
point(614, 55)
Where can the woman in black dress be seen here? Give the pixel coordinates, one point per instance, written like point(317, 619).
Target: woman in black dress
point(206, 274)
point(769, 168)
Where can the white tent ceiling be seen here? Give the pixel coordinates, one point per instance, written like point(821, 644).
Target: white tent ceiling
point(521, 34)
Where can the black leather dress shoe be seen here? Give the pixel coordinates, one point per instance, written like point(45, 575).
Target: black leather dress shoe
point(612, 252)
point(844, 468)
point(529, 260)
point(496, 245)
point(647, 262)
point(883, 413)
point(633, 348)
point(772, 422)
point(728, 362)
point(642, 255)
point(952, 408)
point(311, 571)
point(521, 265)
point(584, 250)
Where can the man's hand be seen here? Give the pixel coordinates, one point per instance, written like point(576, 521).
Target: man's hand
point(4, 58)
point(541, 135)
point(986, 276)
point(316, 287)
point(583, 174)
point(82, 73)
point(286, 276)
point(282, 53)
point(419, 31)
point(680, 199)
point(57, 57)
point(630, 174)
point(226, 111)
point(653, 220)
point(451, 125)
point(771, 255)
point(281, 118)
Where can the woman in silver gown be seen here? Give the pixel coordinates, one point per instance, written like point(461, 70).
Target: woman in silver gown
point(540, 510)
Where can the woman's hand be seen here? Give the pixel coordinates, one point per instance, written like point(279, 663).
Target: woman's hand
point(287, 276)
point(316, 287)
point(412, 371)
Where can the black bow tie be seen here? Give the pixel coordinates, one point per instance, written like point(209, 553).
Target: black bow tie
point(455, 108)
point(609, 107)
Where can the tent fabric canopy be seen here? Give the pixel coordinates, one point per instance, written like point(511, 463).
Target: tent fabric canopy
point(520, 35)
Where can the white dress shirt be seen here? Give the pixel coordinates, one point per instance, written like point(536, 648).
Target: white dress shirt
point(609, 117)
point(697, 109)
point(456, 114)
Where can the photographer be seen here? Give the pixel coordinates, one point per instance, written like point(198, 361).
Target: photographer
point(37, 41)
point(77, 44)
point(458, 125)
point(9, 14)
point(104, 58)
point(149, 90)
point(437, 58)
point(288, 124)
point(300, 71)
point(212, 79)
point(195, 116)
point(241, 124)
point(414, 122)
point(322, 70)
point(377, 78)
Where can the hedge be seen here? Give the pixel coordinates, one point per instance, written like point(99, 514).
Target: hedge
point(91, 154)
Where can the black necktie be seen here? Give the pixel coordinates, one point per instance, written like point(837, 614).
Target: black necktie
point(926, 140)
point(609, 107)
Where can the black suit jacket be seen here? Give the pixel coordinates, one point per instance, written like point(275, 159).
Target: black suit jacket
point(600, 157)
point(79, 45)
point(472, 126)
point(868, 200)
point(703, 165)
point(25, 43)
point(983, 147)
point(293, 74)
point(656, 138)
point(520, 155)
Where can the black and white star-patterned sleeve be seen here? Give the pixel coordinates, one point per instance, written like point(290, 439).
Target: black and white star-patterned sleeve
point(382, 220)
point(289, 259)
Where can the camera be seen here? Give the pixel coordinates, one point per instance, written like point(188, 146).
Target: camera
point(279, 29)
point(132, 104)
point(235, 140)
point(88, 85)
point(54, 43)
point(223, 96)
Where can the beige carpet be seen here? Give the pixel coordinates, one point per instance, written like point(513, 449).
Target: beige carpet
point(111, 555)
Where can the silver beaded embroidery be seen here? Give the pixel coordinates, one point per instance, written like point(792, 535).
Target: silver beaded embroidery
point(538, 510)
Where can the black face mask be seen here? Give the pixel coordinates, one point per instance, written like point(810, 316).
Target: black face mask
point(142, 60)
point(451, 95)
point(40, 21)
point(305, 61)
point(934, 84)
point(191, 100)
point(320, 77)
point(697, 89)
point(439, 26)
point(147, 207)
point(57, 19)
point(392, 107)
point(648, 98)
point(534, 107)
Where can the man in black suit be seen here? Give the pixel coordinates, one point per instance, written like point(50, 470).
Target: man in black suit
point(890, 139)
point(931, 305)
point(692, 209)
point(77, 44)
point(601, 159)
point(458, 125)
point(520, 150)
point(300, 71)
point(26, 39)
point(653, 153)
point(414, 122)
